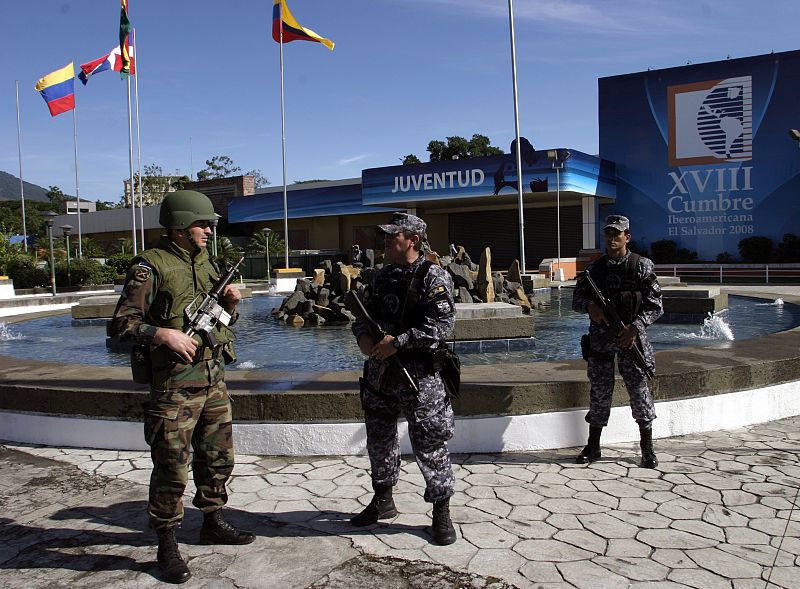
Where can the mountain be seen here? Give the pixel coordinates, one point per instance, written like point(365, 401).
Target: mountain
point(9, 189)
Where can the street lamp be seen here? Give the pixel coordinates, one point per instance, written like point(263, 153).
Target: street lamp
point(266, 231)
point(557, 158)
point(66, 229)
point(49, 217)
point(214, 222)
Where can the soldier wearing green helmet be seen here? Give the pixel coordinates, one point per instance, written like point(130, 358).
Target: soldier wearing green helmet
point(189, 406)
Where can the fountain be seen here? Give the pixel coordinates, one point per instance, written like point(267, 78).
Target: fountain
point(505, 406)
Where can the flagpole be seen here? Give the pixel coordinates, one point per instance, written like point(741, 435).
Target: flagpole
point(21, 184)
point(519, 147)
point(130, 169)
point(283, 157)
point(138, 137)
point(77, 189)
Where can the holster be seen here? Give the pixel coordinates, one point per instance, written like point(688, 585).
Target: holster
point(587, 351)
point(141, 364)
point(448, 364)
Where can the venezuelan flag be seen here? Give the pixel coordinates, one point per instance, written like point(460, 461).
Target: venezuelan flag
point(58, 90)
point(292, 31)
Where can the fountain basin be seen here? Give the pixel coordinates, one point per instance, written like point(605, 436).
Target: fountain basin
point(503, 407)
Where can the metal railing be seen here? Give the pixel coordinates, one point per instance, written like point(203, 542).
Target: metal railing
point(733, 273)
point(255, 266)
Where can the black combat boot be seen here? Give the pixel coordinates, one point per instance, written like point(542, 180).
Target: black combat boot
point(591, 451)
point(649, 459)
point(216, 530)
point(170, 562)
point(443, 531)
point(381, 507)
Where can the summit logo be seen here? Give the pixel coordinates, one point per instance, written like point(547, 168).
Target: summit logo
point(711, 122)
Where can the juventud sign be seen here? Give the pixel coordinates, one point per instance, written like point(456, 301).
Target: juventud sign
point(438, 181)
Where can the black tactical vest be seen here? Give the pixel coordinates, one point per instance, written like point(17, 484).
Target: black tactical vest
point(620, 285)
point(398, 299)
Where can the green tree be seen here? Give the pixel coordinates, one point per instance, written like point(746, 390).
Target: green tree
point(788, 250)
point(106, 205)
point(154, 183)
point(57, 198)
point(259, 178)
point(410, 159)
point(178, 182)
point(309, 181)
point(457, 147)
point(118, 263)
point(8, 253)
point(756, 250)
point(725, 258)
point(265, 244)
point(227, 250)
point(667, 251)
point(219, 166)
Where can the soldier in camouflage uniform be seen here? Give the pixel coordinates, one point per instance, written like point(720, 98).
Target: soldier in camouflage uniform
point(629, 282)
point(412, 300)
point(189, 411)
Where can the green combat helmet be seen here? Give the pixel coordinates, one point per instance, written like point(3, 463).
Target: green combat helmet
point(183, 207)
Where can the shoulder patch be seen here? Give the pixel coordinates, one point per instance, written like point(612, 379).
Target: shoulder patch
point(141, 272)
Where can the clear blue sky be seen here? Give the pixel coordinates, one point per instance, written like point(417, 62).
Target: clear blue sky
point(403, 72)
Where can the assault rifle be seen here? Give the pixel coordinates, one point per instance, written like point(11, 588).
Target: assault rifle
point(616, 325)
point(202, 317)
point(353, 303)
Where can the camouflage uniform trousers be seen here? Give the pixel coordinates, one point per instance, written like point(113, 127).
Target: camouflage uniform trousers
point(177, 420)
point(430, 424)
point(601, 378)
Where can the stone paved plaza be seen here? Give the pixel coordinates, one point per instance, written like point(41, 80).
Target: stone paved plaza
point(715, 514)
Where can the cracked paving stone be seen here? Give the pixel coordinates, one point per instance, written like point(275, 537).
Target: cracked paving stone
point(588, 575)
point(528, 530)
point(571, 506)
point(674, 539)
point(682, 509)
point(725, 564)
point(608, 526)
point(699, 579)
point(637, 569)
point(762, 554)
point(641, 519)
point(627, 547)
point(598, 498)
point(551, 551)
point(518, 496)
point(492, 506)
point(699, 528)
point(723, 517)
point(488, 535)
point(731, 498)
point(496, 562)
point(582, 539)
point(541, 572)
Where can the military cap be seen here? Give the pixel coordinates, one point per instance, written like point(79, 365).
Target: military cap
point(401, 222)
point(618, 222)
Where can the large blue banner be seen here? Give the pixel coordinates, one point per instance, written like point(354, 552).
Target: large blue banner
point(703, 152)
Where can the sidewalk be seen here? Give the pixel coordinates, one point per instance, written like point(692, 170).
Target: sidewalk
point(715, 514)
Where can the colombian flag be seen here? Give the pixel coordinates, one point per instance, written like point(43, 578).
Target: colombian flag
point(282, 19)
point(58, 90)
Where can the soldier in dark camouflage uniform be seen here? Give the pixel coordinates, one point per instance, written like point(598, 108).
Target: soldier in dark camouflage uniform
point(629, 282)
point(412, 300)
point(189, 407)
